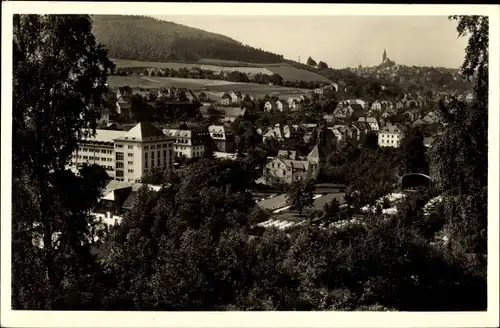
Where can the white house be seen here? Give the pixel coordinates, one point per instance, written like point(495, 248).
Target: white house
point(390, 136)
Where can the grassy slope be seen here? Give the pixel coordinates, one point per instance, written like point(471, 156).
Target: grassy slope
point(217, 87)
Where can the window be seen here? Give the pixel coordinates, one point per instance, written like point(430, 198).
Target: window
point(130, 163)
point(119, 165)
point(146, 147)
point(170, 153)
point(119, 173)
point(130, 154)
point(130, 171)
point(158, 146)
point(103, 151)
point(119, 146)
point(85, 157)
point(164, 154)
point(158, 161)
point(119, 156)
point(152, 154)
point(164, 145)
point(130, 147)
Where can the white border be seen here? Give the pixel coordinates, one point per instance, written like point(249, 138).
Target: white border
point(246, 319)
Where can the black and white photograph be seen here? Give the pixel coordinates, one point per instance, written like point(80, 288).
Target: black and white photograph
point(176, 160)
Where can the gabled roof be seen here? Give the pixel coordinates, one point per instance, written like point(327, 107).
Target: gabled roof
point(142, 132)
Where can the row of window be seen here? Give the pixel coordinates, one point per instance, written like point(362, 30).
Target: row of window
point(93, 158)
point(102, 151)
point(158, 146)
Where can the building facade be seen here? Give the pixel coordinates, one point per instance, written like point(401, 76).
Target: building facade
point(390, 136)
point(188, 143)
point(222, 137)
point(127, 156)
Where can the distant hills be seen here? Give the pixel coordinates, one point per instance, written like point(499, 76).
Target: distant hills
point(149, 39)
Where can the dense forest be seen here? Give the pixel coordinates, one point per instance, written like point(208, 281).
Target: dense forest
point(149, 39)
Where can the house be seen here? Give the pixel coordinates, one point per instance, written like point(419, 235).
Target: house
point(119, 198)
point(191, 96)
point(304, 98)
point(230, 114)
point(390, 136)
point(104, 116)
point(278, 132)
point(431, 118)
point(188, 143)
point(235, 97)
point(123, 106)
point(281, 105)
point(294, 104)
point(419, 122)
point(202, 97)
point(339, 136)
point(287, 154)
point(225, 99)
point(342, 111)
point(287, 168)
point(268, 106)
point(319, 91)
point(376, 105)
point(372, 121)
point(222, 137)
point(399, 105)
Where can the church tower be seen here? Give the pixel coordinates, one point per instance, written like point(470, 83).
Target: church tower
point(384, 56)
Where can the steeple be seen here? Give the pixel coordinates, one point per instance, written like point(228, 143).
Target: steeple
point(384, 56)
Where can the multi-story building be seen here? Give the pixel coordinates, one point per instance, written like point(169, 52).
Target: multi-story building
point(222, 137)
point(287, 168)
point(127, 156)
point(97, 150)
point(188, 143)
point(390, 136)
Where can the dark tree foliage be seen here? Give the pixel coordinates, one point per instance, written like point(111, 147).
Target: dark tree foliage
point(59, 74)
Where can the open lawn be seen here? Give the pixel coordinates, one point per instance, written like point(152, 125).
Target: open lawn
point(215, 87)
point(287, 72)
point(290, 73)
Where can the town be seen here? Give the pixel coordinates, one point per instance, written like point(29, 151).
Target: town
point(161, 167)
point(134, 126)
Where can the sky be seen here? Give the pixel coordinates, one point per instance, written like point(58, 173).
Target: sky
point(343, 41)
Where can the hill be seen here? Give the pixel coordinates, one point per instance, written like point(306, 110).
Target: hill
point(148, 39)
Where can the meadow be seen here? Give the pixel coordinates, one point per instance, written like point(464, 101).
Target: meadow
point(286, 71)
point(214, 87)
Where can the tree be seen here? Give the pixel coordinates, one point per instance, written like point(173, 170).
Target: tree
point(413, 153)
point(57, 84)
point(301, 195)
point(463, 145)
point(322, 65)
point(311, 62)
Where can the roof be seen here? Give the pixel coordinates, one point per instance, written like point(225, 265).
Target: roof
point(391, 128)
point(357, 107)
point(105, 135)
point(142, 132)
point(320, 202)
point(217, 129)
point(178, 133)
point(291, 154)
point(274, 202)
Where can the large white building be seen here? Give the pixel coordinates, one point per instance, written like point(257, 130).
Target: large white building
point(127, 155)
point(390, 136)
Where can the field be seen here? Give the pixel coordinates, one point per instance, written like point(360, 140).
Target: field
point(287, 72)
point(213, 87)
point(290, 73)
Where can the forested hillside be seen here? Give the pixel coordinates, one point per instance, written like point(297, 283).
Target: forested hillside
point(149, 39)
